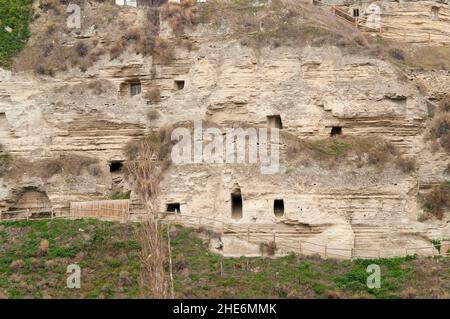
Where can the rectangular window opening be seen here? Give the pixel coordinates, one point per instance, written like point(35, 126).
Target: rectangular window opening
point(236, 206)
point(278, 207)
point(274, 121)
point(135, 88)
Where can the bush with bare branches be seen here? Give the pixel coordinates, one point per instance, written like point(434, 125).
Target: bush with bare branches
point(268, 249)
point(147, 159)
point(437, 201)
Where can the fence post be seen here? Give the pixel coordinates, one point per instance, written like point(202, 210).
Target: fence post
point(432, 249)
point(274, 237)
point(248, 233)
point(326, 251)
point(28, 213)
point(352, 253)
point(300, 246)
point(379, 253)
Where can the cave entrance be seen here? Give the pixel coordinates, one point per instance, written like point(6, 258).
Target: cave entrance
point(33, 202)
point(236, 204)
point(336, 130)
point(274, 121)
point(115, 167)
point(173, 208)
point(355, 12)
point(135, 88)
point(179, 84)
point(278, 207)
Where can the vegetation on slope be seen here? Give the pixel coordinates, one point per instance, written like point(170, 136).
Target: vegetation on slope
point(332, 151)
point(108, 254)
point(14, 33)
point(280, 23)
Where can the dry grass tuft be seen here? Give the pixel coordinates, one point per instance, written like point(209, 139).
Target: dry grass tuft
point(153, 115)
point(16, 265)
point(72, 164)
point(397, 54)
point(153, 95)
point(437, 201)
point(444, 105)
point(180, 16)
point(268, 249)
point(406, 164)
point(440, 130)
point(409, 293)
point(43, 247)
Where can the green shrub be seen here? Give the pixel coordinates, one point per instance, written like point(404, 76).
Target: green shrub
point(15, 14)
point(121, 195)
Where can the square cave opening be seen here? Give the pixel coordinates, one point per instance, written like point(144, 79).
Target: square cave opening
point(115, 167)
point(336, 130)
point(274, 121)
point(173, 208)
point(179, 84)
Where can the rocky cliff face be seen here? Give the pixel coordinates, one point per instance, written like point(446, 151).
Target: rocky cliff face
point(345, 200)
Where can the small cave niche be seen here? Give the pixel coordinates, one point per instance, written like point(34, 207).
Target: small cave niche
point(173, 208)
point(278, 207)
point(355, 12)
point(4, 124)
point(336, 130)
point(236, 204)
point(179, 84)
point(115, 166)
point(274, 121)
point(435, 13)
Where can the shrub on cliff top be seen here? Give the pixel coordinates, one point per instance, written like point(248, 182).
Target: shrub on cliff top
point(437, 201)
point(440, 129)
point(444, 106)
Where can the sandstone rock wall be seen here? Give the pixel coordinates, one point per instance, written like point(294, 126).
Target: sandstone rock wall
point(312, 89)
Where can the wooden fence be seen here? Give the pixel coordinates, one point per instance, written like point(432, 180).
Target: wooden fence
point(387, 30)
point(301, 246)
point(113, 210)
point(34, 210)
point(118, 210)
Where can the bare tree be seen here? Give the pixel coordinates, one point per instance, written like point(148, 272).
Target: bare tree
point(147, 159)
